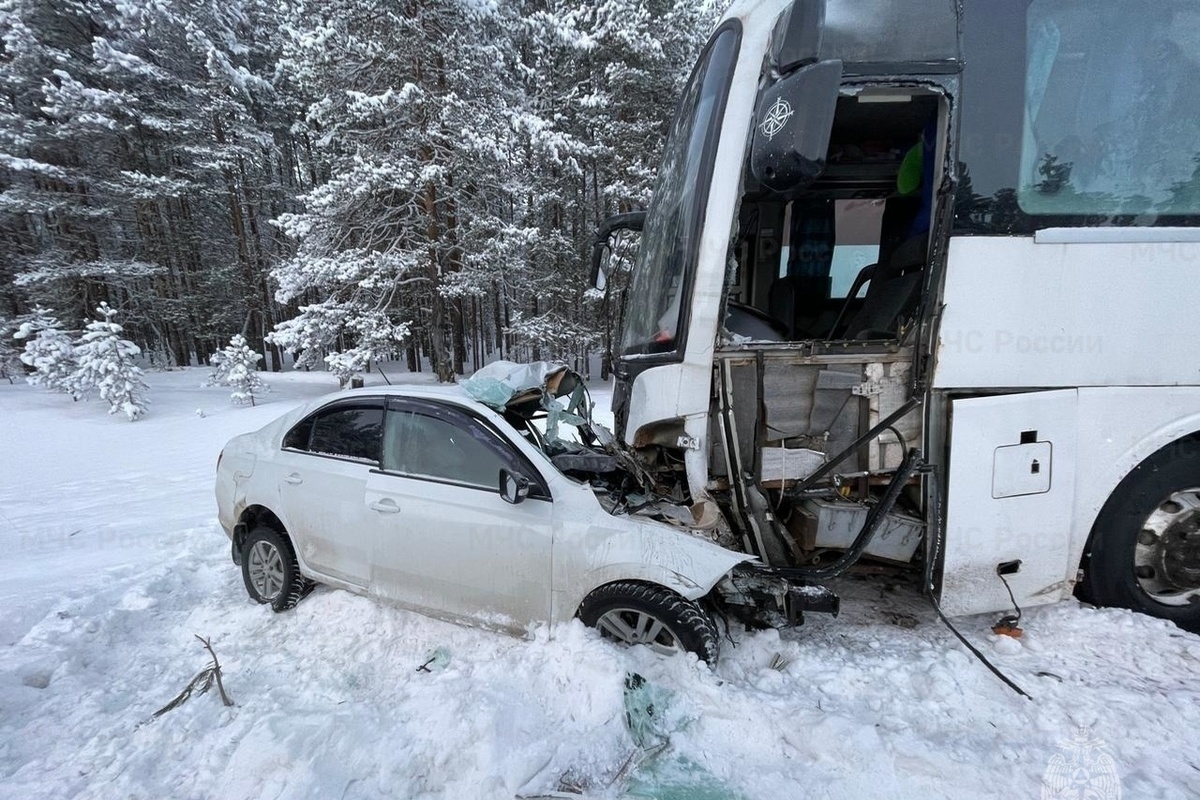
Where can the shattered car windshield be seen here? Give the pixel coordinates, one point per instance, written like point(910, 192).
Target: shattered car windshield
point(547, 399)
point(550, 405)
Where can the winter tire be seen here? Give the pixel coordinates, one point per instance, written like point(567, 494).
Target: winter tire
point(641, 613)
point(270, 571)
point(1144, 550)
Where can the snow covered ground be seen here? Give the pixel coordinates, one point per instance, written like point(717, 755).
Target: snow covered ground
point(111, 562)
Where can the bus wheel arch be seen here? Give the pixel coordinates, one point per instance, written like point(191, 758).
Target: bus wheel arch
point(1143, 552)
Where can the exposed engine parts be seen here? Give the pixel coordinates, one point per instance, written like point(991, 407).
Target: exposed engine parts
point(776, 454)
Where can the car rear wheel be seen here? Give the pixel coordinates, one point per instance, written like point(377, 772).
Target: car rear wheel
point(640, 613)
point(1144, 552)
point(270, 570)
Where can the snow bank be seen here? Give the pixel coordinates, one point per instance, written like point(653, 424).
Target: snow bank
point(112, 561)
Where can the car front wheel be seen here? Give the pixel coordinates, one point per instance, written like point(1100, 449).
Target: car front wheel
point(640, 613)
point(270, 571)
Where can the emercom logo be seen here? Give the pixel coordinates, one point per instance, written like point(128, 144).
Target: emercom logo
point(1082, 769)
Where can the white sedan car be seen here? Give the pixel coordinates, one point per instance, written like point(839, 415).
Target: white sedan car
point(435, 502)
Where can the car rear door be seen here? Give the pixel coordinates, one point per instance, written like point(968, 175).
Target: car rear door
point(322, 473)
point(445, 541)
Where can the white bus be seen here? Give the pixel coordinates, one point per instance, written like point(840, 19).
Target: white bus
point(920, 282)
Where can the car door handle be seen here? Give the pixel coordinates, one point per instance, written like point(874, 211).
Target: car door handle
point(385, 506)
point(294, 478)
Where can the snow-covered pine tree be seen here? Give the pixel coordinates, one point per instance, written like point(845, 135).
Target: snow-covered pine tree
point(592, 136)
point(219, 370)
point(49, 350)
point(142, 149)
point(237, 366)
point(10, 356)
point(437, 167)
point(106, 365)
point(414, 120)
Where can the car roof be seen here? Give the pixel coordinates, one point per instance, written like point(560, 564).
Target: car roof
point(451, 392)
point(409, 390)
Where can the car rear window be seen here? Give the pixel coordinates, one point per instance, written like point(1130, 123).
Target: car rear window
point(344, 431)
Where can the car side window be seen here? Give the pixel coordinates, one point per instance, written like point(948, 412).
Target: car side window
point(346, 431)
point(426, 446)
point(432, 441)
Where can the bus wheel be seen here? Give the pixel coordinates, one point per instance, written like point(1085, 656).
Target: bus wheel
point(1145, 547)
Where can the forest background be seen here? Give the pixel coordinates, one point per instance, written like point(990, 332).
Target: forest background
point(345, 181)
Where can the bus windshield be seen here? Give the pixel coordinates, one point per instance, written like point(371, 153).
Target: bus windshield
point(671, 237)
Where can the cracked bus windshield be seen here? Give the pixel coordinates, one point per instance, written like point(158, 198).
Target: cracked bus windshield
point(672, 232)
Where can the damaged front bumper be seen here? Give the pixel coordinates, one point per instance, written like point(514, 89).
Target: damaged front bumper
point(758, 596)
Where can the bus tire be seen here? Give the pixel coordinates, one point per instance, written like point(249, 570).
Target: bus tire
point(1144, 550)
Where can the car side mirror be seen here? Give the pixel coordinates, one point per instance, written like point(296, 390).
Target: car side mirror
point(514, 487)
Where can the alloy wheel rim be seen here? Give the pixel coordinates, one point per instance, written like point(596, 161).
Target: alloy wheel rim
point(265, 566)
point(632, 626)
point(1166, 559)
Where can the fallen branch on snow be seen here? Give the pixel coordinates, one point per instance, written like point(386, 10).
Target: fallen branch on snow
point(200, 684)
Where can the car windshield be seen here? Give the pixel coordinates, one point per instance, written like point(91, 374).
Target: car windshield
point(673, 225)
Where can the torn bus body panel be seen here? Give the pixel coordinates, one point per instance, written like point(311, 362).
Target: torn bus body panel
point(813, 324)
point(814, 460)
point(820, 433)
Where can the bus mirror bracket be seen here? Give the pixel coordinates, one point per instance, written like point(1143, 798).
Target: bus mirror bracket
point(799, 41)
point(793, 125)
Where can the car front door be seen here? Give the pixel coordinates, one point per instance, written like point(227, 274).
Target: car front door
point(445, 541)
point(323, 470)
